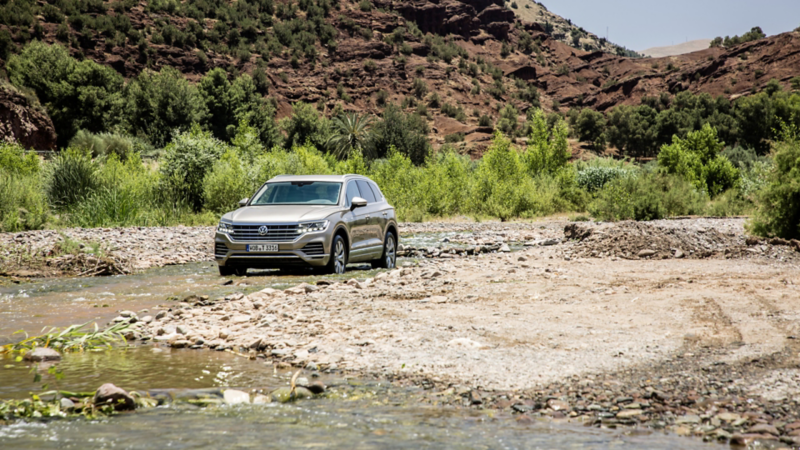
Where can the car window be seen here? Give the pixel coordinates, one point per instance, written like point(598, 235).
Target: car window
point(298, 193)
point(352, 192)
point(376, 191)
point(366, 191)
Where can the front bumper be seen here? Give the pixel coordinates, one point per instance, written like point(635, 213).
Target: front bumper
point(310, 250)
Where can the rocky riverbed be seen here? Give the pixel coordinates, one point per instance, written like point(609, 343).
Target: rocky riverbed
point(702, 342)
point(686, 325)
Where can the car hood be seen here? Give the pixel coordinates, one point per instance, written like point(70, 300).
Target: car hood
point(280, 214)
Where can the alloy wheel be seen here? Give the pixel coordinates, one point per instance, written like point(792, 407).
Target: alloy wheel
point(390, 254)
point(339, 257)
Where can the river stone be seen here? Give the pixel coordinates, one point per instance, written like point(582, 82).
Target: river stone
point(182, 329)
point(505, 248)
point(558, 405)
point(763, 428)
point(750, 440)
point(629, 414)
point(108, 394)
point(302, 381)
point(147, 319)
point(67, 404)
point(241, 318)
point(160, 315)
point(688, 419)
point(728, 417)
point(283, 394)
point(42, 354)
point(646, 253)
point(260, 399)
point(234, 397)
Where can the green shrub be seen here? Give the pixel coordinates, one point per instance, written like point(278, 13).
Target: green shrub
point(104, 144)
point(779, 202)
point(594, 178)
point(419, 88)
point(730, 203)
point(647, 197)
point(698, 160)
point(454, 137)
point(187, 159)
point(23, 205)
point(15, 160)
point(227, 183)
point(73, 175)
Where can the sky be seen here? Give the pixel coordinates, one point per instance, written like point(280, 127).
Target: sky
point(641, 24)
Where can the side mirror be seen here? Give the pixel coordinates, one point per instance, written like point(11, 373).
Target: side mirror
point(243, 202)
point(357, 202)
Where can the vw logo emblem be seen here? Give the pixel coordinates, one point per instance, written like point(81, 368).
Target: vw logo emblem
point(263, 230)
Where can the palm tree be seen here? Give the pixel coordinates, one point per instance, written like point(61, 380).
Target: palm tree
point(350, 132)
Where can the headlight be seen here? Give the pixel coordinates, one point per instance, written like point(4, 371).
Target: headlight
point(225, 228)
point(312, 227)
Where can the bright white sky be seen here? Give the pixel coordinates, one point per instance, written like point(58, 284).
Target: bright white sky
point(641, 24)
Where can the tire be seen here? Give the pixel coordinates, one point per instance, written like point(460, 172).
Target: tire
point(338, 260)
point(389, 258)
point(227, 271)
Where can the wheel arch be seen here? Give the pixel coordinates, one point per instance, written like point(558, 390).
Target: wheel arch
point(392, 228)
point(341, 230)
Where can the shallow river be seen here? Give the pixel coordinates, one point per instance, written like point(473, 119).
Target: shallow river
point(355, 414)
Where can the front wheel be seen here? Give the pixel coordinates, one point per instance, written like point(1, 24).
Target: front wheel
point(338, 261)
point(389, 258)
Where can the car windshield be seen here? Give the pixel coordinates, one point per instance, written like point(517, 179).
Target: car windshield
point(299, 193)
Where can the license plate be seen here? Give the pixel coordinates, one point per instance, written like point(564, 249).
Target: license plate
point(262, 248)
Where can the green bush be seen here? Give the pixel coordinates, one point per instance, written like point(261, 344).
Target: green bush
point(698, 160)
point(23, 205)
point(187, 159)
point(15, 160)
point(779, 202)
point(227, 183)
point(647, 196)
point(104, 144)
point(594, 178)
point(73, 175)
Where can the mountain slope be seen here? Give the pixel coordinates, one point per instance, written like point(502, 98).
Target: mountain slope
point(475, 55)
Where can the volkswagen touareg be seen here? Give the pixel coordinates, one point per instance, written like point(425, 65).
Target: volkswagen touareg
point(318, 221)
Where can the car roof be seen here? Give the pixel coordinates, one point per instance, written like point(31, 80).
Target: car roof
point(333, 178)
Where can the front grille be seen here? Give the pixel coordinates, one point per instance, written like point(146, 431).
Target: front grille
point(220, 250)
point(314, 249)
point(276, 233)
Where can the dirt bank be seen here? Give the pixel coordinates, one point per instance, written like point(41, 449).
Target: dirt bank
point(704, 345)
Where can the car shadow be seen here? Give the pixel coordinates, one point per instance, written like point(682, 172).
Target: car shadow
point(307, 271)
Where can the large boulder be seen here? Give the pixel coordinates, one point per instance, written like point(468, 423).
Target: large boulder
point(108, 394)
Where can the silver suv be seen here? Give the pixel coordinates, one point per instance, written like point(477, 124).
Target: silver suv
point(320, 221)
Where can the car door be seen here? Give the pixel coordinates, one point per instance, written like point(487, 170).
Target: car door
point(356, 220)
point(384, 213)
point(374, 232)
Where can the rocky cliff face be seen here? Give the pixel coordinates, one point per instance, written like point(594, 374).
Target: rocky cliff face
point(24, 121)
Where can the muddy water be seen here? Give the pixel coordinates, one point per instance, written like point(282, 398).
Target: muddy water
point(355, 415)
